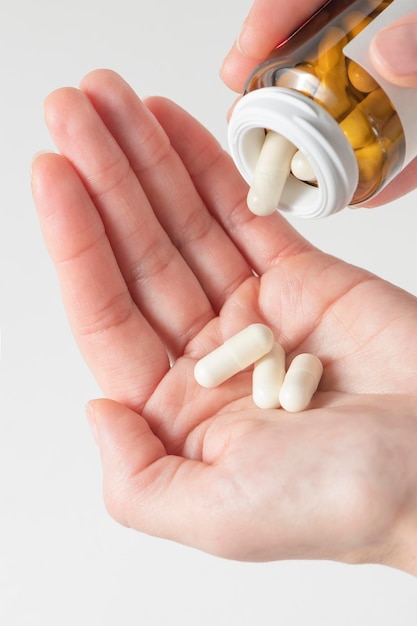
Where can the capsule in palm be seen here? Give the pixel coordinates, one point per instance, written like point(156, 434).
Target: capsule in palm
point(234, 355)
point(268, 376)
point(300, 382)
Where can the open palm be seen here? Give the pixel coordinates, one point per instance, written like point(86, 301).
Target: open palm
point(160, 261)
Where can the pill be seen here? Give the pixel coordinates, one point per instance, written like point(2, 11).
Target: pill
point(370, 160)
point(332, 94)
point(357, 128)
point(267, 378)
point(360, 79)
point(234, 355)
point(301, 168)
point(377, 105)
point(354, 23)
point(271, 173)
point(300, 382)
point(330, 49)
point(378, 5)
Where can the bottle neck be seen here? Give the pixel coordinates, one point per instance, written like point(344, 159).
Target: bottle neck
point(313, 131)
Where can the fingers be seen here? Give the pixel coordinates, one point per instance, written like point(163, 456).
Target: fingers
point(394, 52)
point(269, 23)
point(146, 489)
point(262, 240)
point(237, 68)
point(132, 289)
point(155, 273)
point(110, 330)
point(206, 248)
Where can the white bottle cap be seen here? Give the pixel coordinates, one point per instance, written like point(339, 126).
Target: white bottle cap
point(313, 131)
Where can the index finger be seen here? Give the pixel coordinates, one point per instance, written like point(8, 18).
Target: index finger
point(268, 24)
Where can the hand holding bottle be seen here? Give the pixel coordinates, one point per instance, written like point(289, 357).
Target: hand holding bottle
point(393, 52)
point(270, 22)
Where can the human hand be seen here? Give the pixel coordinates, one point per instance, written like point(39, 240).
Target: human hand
point(159, 260)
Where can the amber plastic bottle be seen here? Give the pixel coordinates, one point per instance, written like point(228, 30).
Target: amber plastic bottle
point(320, 91)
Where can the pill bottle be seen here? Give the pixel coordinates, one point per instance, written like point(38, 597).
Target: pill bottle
point(351, 131)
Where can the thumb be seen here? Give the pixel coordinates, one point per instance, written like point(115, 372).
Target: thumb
point(144, 487)
point(394, 51)
point(127, 449)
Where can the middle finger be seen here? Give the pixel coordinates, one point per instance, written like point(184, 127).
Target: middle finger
point(156, 274)
point(208, 250)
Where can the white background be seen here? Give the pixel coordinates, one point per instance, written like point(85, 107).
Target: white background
point(63, 561)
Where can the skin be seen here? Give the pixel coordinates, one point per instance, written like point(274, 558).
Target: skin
point(159, 261)
point(270, 22)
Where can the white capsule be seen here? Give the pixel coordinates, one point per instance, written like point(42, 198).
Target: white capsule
point(237, 353)
point(300, 382)
point(268, 375)
point(301, 168)
point(271, 174)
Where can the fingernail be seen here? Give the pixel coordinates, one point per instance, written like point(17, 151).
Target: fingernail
point(91, 420)
point(396, 49)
